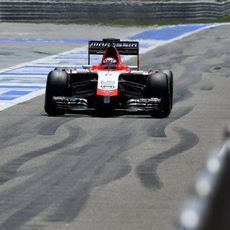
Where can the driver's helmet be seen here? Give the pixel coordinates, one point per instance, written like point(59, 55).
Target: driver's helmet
point(109, 62)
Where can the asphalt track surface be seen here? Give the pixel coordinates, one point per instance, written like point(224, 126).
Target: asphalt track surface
point(125, 172)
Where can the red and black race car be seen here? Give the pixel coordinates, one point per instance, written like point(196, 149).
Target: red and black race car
point(110, 85)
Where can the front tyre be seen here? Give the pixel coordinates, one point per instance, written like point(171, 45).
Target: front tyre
point(169, 75)
point(57, 85)
point(160, 85)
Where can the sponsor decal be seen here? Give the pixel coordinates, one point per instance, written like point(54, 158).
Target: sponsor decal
point(116, 44)
point(107, 84)
point(110, 93)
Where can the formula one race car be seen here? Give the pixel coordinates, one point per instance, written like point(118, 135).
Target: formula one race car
point(110, 85)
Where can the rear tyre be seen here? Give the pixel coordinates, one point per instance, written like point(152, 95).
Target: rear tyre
point(160, 85)
point(57, 85)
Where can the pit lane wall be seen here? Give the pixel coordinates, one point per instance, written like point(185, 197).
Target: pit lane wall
point(12, 10)
point(208, 207)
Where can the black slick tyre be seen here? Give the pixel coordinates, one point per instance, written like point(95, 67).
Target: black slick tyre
point(57, 85)
point(160, 85)
point(170, 82)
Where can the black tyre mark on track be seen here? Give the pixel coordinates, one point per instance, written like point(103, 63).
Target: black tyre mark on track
point(9, 170)
point(97, 166)
point(219, 69)
point(70, 207)
point(42, 52)
point(12, 136)
point(158, 128)
point(6, 54)
point(25, 129)
point(69, 178)
point(147, 171)
point(50, 126)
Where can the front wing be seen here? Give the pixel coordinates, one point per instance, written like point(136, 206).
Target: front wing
point(80, 105)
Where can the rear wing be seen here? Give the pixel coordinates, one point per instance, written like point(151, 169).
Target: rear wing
point(123, 47)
